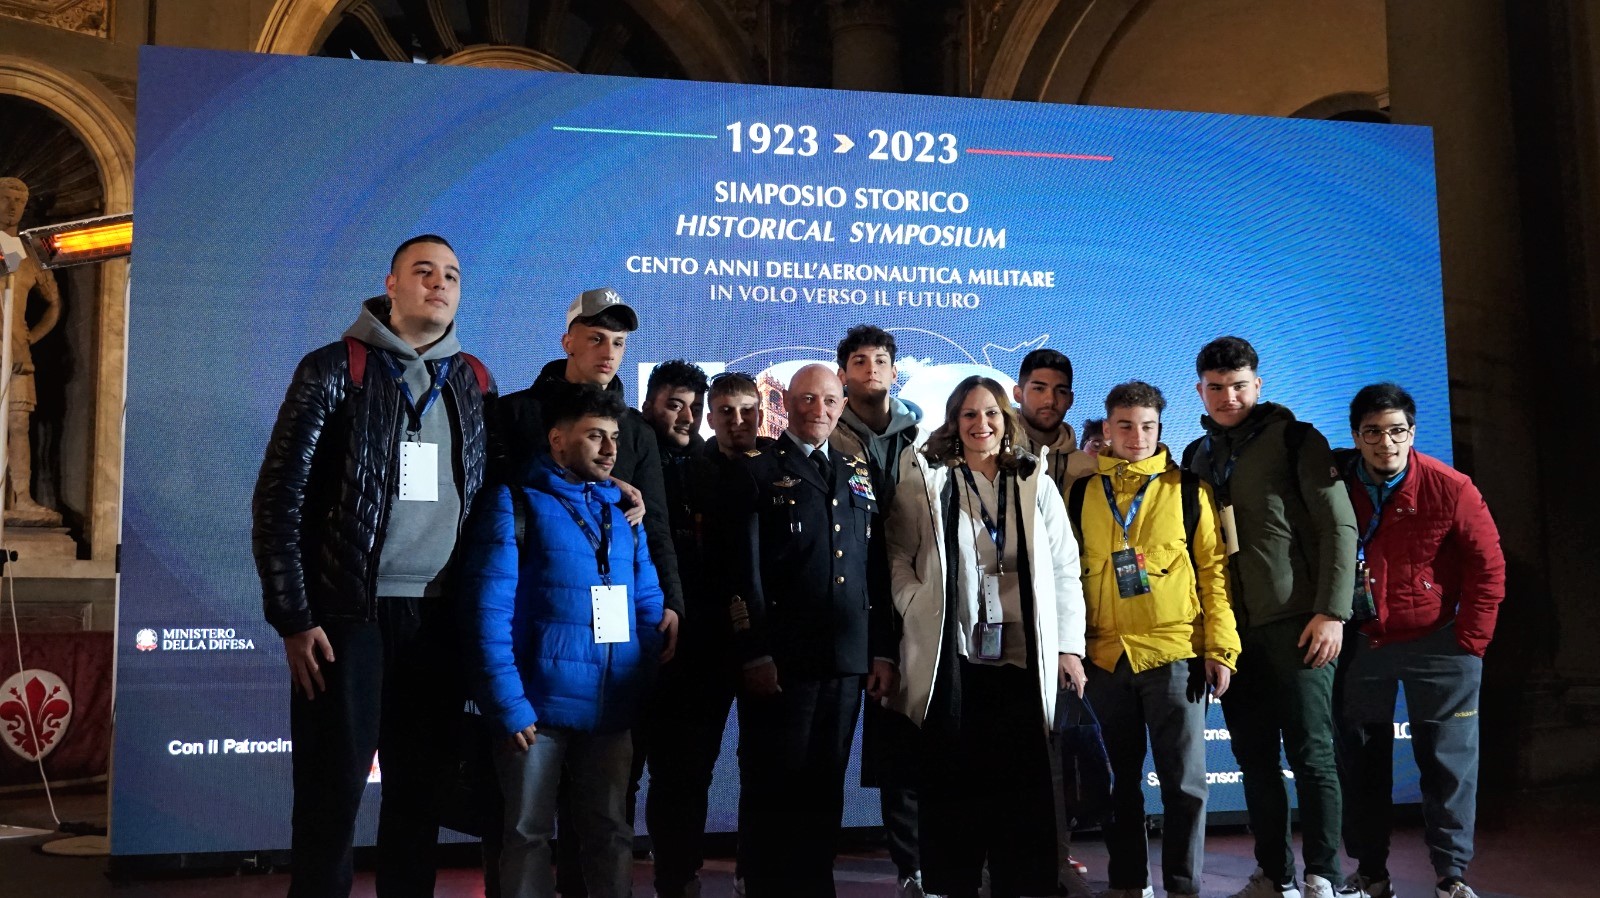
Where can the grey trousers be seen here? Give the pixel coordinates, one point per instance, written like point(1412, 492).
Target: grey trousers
point(1128, 705)
point(1441, 681)
point(598, 767)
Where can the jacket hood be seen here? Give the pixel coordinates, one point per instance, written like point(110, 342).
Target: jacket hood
point(1155, 464)
point(372, 328)
point(903, 415)
point(1066, 441)
point(1263, 414)
point(546, 476)
point(555, 372)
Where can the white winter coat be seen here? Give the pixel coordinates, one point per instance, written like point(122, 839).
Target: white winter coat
point(917, 557)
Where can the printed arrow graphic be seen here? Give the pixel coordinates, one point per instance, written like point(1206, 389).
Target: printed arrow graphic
point(845, 143)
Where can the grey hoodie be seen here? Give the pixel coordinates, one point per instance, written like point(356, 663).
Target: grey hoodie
point(419, 537)
point(881, 450)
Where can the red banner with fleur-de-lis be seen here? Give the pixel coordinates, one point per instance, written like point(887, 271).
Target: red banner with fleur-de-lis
point(57, 709)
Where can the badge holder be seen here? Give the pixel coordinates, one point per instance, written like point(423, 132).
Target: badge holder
point(1363, 607)
point(1132, 578)
point(990, 646)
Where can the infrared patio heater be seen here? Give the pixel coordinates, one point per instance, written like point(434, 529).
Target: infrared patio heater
point(83, 242)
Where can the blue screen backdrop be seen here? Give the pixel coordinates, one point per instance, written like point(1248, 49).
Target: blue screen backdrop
point(751, 226)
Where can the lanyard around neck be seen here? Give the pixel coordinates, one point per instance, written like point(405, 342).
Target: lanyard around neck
point(602, 543)
point(997, 531)
point(415, 410)
point(1133, 508)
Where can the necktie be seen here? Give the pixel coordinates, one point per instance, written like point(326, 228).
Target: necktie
point(823, 465)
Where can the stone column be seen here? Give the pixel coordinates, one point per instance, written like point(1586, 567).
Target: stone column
point(866, 44)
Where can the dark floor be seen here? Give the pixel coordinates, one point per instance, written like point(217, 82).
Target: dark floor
point(1538, 848)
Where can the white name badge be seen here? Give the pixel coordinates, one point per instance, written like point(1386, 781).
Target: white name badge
point(610, 613)
point(419, 472)
point(991, 599)
point(1230, 533)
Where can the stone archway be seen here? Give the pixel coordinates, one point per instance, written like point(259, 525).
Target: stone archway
point(103, 124)
point(707, 46)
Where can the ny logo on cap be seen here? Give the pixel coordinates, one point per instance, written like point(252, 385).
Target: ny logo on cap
point(609, 296)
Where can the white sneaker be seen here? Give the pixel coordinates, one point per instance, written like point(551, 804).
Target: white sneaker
point(1146, 892)
point(1317, 887)
point(1260, 886)
point(1358, 886)
point(1459, 890)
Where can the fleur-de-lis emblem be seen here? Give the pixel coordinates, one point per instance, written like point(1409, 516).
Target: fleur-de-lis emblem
point(35, 709)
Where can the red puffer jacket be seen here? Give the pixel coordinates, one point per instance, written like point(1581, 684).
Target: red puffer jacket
point(1435, 558)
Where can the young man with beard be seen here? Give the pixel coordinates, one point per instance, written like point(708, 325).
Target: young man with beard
point(1044, 394)
point(563, 610)
point(374, 461)
point(878, 428)
point(598, 325)
point(1430, 580)
point(1291, 541)
point(1161, 635)
point(689, 709)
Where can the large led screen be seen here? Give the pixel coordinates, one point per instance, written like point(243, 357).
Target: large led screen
point(751, 226)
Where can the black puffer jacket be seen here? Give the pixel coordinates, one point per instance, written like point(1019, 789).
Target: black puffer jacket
point(329, 479)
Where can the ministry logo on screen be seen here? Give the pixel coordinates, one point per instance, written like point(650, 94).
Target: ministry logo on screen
point(193, 639)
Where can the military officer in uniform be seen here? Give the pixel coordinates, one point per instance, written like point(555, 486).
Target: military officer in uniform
point(807, 637)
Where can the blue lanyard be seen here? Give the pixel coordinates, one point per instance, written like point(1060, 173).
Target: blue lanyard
point(602, 543)
point(1133, 508)
point(1385, 495)
point(1221, 482)
point(997, 532)
point(415, 411)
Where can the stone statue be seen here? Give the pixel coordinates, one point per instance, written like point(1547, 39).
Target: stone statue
point(20, 508)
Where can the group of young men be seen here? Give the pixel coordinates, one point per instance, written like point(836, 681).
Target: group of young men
point(420, 539)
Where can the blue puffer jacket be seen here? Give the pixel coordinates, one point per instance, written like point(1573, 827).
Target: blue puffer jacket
point(529, 619)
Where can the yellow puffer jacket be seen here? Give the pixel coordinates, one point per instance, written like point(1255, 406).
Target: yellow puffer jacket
point(1175, 620)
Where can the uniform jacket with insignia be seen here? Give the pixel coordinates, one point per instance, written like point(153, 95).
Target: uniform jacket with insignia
point(811, 561)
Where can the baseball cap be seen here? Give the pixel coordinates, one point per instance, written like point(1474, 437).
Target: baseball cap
point(592, 302)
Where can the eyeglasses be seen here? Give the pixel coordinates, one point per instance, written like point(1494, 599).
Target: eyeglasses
point(1372, 436)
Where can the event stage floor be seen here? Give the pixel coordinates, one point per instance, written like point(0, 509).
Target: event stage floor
point(1541, 847)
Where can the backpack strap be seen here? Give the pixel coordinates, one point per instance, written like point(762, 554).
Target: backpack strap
point(1189, 490)
point(357, 351)
point(478, 371)
point(520, 512)
point(1075, 505)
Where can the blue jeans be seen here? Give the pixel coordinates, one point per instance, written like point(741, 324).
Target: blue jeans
point(1441, 681)
point(1128, 705)
point(597, 765)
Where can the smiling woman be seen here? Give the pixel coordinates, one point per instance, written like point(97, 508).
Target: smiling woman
point(982, 560)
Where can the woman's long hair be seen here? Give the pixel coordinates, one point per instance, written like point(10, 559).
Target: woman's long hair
point(944, 444)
